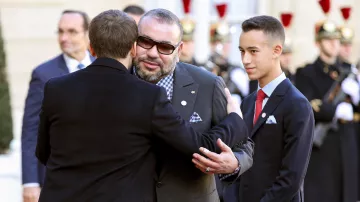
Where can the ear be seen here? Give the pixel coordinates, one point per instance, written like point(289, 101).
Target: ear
point(92, 52)
point(180, 47)
point(133, 50)
point(318, 44)
point(277, 50)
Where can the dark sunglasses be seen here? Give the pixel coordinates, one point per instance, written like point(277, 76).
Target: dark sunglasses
point(163, 48)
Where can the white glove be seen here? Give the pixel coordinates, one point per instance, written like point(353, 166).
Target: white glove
point(236, 98)
point(241, 80)
point(344, 111)
point(351, 87)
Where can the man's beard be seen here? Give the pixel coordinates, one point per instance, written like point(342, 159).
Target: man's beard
point(148, 77)
point(154, 76)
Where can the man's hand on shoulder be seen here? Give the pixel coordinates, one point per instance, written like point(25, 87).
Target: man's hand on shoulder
point(232, 104)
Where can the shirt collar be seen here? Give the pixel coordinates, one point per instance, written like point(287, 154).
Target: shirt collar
point(72, 63)
point(270, 87)
point(165, 79)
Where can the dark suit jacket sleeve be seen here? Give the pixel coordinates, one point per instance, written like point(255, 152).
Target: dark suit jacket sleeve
point(326, 110)
point(243, 151)
point(247, 152)
point(30, 129)
point(219, 102)
point(43, 141)
point(299, 130)
point(171, 128)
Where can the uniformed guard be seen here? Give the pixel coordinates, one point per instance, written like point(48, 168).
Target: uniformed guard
point(347, 36)
point(352, 82)
point(332, 170)
point(234, 76)
point(220, 43)
point(188, 24)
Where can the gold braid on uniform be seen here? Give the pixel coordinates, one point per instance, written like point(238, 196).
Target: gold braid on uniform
point(356, 117)
point(315, 104)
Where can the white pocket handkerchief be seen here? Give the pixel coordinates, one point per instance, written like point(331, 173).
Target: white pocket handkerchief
point(271, 120)
point(195, 117)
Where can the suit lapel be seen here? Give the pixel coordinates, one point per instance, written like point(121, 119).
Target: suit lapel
point(63, 68)
point(275, 99)
point(185, 91)
point(62, 65)
point(250, 108)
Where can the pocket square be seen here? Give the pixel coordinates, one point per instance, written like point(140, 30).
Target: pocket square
point(271, 120)
point(195, 117)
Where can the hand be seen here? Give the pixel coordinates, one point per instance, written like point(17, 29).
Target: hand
point(344, 111)
point(223, 163)
point(351, 87)
point(232, 105)
point(31, 194)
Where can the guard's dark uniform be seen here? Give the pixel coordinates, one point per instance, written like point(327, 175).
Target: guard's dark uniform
point(332, 171)
point(347, 37)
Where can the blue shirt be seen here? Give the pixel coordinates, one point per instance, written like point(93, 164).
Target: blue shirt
point(270, 87)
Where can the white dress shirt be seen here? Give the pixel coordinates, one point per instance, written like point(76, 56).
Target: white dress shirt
point(72, 64)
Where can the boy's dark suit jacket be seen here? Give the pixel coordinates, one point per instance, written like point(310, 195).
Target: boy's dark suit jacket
point(282, 150)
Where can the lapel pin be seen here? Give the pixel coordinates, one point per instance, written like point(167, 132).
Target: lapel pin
point(263, 115)
point(183, 103)
point(193, 92)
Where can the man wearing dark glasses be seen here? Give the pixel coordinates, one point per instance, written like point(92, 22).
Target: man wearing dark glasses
point(198, 96)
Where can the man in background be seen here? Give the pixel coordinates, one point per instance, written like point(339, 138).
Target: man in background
point(135, 12)
point(73, 40)
point(285, 61)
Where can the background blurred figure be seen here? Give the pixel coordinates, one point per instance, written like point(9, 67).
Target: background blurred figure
point(287, 53)
point(135, 11)
point(220, 47)
point(332, 171)
point(346, 46)
point(346, 40)
point(234, 76)
point(73, 40)
point(188, 50)
point(285, 62)
point(188, 24)
point(352, 82)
